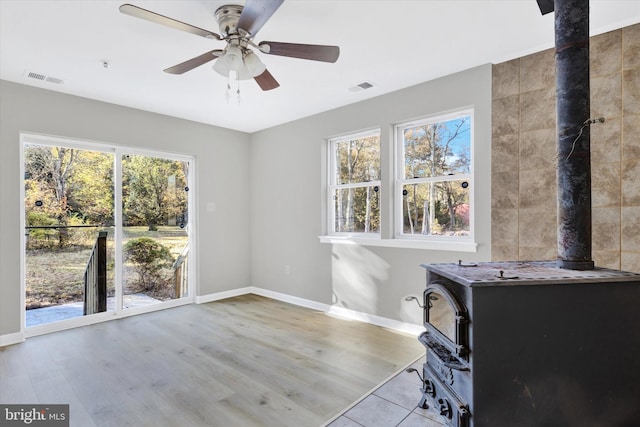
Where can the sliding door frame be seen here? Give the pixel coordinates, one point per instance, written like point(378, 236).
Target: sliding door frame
point(119, 312)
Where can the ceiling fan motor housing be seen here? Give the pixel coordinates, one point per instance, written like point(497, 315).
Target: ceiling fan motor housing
point(227, 17)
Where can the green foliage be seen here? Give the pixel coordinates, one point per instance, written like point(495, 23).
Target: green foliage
point(49, 169)
point(39, 218)
point(153, 190)
point(149, 258)
point(441, 214)
point(61, 183)
point(90, 188)
point(436, 150)
point(45, 236)
point(357, 162)
point(66, 187)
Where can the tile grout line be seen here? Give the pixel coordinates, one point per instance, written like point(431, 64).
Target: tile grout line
point(352, 420)
point(408, 415)
point(369, 393)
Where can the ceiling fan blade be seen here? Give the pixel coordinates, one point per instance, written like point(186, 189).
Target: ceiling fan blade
point(313, 52)
point(147, 15)
point(266, 81)
point(194, 62)
point(255, 13)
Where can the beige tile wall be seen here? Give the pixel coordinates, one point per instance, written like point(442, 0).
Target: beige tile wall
point(524, 149)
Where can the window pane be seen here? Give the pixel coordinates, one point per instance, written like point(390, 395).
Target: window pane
point(357, 210)
point(438, 149)
point(437, 208)
point(358, 160)
point(68, 210)
point(155, 238)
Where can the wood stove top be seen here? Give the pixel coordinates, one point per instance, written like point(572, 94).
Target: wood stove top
point(525, 273)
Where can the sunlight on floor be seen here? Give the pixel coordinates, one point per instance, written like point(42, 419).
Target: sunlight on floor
point(40, 316)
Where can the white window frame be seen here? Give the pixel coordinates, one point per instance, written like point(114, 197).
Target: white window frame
point(332, 185)
point(400, 181)
point(119, 311)
point(392, 179)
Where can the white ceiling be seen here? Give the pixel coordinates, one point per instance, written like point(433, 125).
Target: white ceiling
point(392, 44)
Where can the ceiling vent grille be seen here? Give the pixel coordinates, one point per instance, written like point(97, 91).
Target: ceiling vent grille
point(361, 86)
point(44, 77)
point(36, 76)
point(53, 80)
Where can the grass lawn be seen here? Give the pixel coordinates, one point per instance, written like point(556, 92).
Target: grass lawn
point(56, 275)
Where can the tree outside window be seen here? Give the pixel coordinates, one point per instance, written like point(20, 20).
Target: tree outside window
point(434, 176)
point(354, 186)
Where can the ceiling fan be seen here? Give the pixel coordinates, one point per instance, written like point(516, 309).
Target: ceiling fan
point(238, 26)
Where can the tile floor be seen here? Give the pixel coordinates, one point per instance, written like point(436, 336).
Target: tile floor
point(393, 404)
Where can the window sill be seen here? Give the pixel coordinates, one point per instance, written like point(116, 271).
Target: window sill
point(443, 245)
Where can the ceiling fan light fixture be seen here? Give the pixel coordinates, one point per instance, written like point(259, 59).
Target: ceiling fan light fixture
point(221, 66)
point(252, 65)
point(233, 57)
point(229, 60)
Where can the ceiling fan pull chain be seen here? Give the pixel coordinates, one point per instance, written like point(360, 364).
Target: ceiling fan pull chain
point(228, 92)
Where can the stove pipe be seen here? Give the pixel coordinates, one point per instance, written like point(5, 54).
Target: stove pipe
point(573, 112)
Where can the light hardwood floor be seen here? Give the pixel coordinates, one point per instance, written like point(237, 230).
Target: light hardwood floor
point(245, 361)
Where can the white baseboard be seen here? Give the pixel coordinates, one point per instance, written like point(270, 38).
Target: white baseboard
point(408, 328)
point(223, 295)
point(10, 339)
point(385, 322)
point(345, 313)
point(302, 302)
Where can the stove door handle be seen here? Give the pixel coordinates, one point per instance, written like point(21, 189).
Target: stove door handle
point(456, 365)
point(447, 358)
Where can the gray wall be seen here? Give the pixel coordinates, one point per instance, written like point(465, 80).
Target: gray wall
point(272, 217)
point(223, 235)
point(287, 190)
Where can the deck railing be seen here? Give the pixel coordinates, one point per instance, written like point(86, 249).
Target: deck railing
point(180, 273)
point(58, 236)
point(95, 277)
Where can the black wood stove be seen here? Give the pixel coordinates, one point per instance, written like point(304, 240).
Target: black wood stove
point(530, 344)
point(540, 343)
point(519, 344)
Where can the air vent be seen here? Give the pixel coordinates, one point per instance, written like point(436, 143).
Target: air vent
point(36, 76)
point(361, 86)
point(39, 76)
point(53, 80)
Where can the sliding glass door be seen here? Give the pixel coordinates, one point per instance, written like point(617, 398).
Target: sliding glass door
point(68, 207)
point(106, 230)
point(155, 240)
